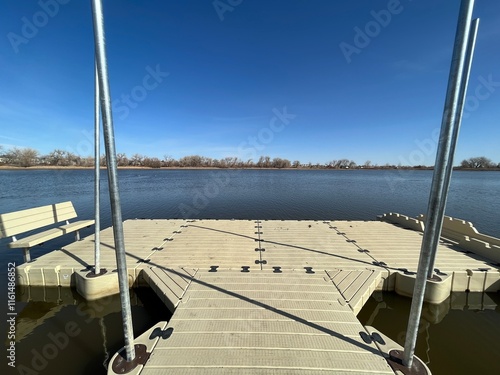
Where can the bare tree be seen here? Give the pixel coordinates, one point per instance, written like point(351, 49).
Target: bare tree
point(28, 157)
point(136, 160)
point(332, 164)
point(216, 163)
point(122, 160)
point(343, 163)
point(152, 162)
point(206, 161)
point(192, 161)
point(62, 158)
point(280, 163)
point(477, 162)
point(57, 157)
point(233, 161)
point(169, 161)
point(264, 162)
point(87, 161)
point(23, 157)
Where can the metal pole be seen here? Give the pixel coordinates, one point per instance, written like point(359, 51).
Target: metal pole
point(434, 218)
point(97, 175)
point(109, 142)
point(471, 45)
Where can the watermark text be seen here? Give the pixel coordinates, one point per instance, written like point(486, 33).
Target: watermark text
point(11, 314)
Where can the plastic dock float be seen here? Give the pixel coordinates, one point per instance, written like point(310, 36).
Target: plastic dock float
point(270, 297)
point(262, 322)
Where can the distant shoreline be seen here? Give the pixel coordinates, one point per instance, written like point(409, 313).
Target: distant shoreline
point(50, 167)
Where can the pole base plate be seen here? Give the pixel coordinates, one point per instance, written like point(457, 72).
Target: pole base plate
point(395, 360)
point(120, 364)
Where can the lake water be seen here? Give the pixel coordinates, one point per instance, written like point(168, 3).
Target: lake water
point(240, 194)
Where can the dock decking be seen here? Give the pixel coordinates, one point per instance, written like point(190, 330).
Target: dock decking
point(262, 322)
point(264, 297)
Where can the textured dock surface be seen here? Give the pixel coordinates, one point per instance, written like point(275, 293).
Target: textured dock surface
point(262, 322)
point(264, 297)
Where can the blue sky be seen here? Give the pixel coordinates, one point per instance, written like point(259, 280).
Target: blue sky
point(248, 78)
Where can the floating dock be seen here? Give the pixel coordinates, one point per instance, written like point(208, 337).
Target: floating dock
point(270, 296)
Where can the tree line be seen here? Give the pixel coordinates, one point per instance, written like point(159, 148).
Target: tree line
point(29, 157)
point(479, 162)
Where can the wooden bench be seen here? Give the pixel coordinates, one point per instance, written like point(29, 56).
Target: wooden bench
point(14, 223)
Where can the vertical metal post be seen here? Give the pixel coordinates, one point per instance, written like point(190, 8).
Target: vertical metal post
point(438, 193)
point(97, 177)
point(109, 141)
point(471, 45)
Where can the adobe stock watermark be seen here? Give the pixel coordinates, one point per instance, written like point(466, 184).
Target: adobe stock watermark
point(11, 314)
point(253, 144)
point(246, 150)
point(223, 6)
point(86, 146)
point(418, 156)
point(57, 342)
point(31, 25)
point(139, 93)
point(122, 107)
point(483, 90)
point(364, 36)
point(201, 197)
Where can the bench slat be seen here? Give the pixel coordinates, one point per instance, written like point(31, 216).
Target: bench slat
point(36, 239)
point(77, 225)
point(13, 223)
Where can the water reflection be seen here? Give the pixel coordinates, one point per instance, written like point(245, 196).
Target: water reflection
point(58, 332)
point(458, 336)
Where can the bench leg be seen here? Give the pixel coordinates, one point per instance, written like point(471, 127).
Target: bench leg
point(27, 256)
point(77, 235)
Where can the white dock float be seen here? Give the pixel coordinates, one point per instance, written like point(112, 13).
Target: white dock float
point(264, 322)
point(266, 297)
